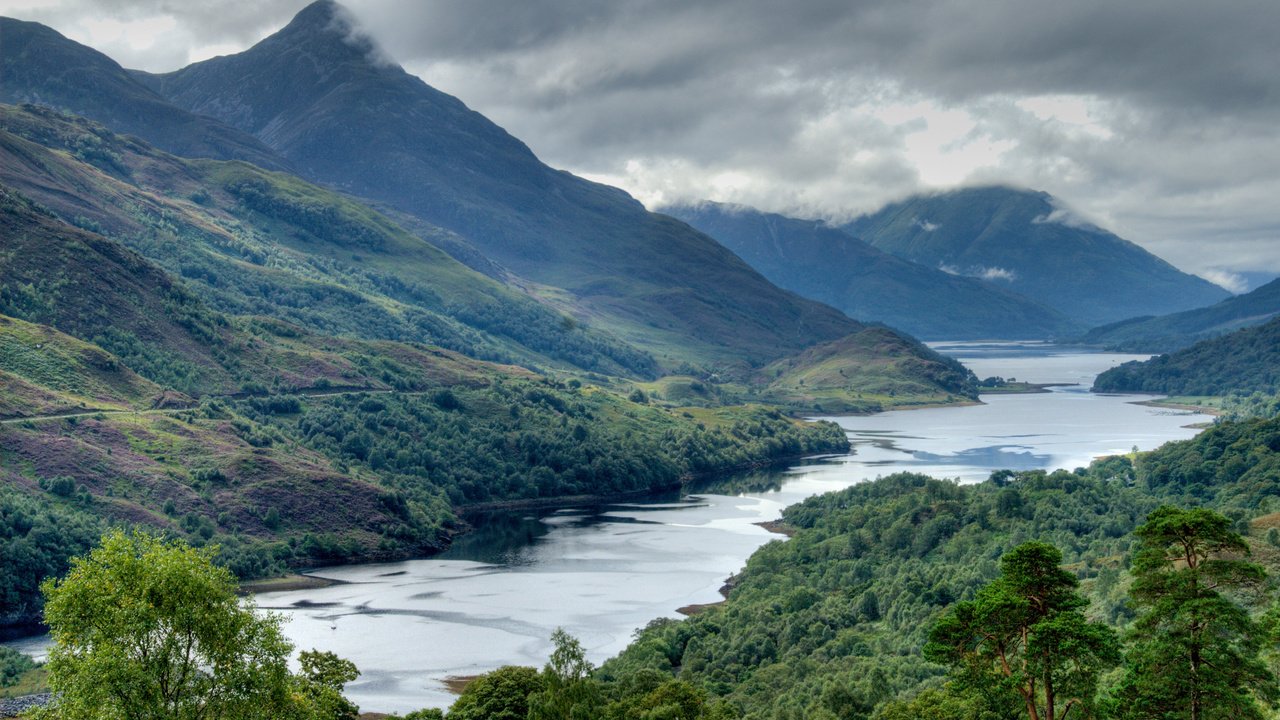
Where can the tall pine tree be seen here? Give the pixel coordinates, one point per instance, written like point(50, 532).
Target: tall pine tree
point(1195, 649)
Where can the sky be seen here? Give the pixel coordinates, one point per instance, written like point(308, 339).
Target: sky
point(1157, 119)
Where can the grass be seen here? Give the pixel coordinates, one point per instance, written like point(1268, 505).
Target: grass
point(31, 682)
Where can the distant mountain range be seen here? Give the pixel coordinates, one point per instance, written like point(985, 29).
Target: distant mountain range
point(1027, 242)
point(1178, 330)
point(830, 265)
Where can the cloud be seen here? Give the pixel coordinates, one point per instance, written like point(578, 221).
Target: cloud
point(1157, 119)
point(1229, 281)
point(980, 271)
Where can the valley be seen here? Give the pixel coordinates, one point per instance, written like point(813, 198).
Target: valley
point(807, 390)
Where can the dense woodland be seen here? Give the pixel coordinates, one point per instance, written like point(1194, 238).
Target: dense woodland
point(1245, 361)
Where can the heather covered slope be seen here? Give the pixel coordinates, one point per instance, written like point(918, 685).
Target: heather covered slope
point(831, 266)
point(1168, 333)
point(314, 93)
point(1025, 241)
point(39, 65)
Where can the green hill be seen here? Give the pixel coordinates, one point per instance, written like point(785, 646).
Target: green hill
point(1026, 242)
point(829, 265)
point(1244, 361)
point(1178, 330)
point(869, 371)
point(831, 622)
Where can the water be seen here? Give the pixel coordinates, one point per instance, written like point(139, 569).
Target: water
point(601, 572)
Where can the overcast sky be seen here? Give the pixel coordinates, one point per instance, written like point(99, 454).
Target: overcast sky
point(1158, 119)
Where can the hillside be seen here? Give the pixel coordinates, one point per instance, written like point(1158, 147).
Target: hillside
point(1244, 361)
point(353, 121)
point(1172, 332)
point(869, 371)
point(255, 242)
point(39, 65)
point(302, 448)
point(1026, 242)
point(829, 265)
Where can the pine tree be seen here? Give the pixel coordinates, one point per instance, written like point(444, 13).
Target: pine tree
point(1195, 651)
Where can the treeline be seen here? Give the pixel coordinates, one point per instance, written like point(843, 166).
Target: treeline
point(531, 439)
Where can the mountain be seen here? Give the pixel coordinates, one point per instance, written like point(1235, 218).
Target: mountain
point(831, 266)
point(252, 242)
point(324, 98)
point(1178, 330)
point(38, 65)
point(1027, 242)
point(1244, 361)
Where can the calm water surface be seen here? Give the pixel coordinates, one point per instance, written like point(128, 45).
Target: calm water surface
point(601, 572)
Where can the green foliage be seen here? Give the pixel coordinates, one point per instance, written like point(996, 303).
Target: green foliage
point(499, 695)
point(1195, 650)
point(37, 539)
point(145, 628)
point(13, 665)
point(798, 634)
point(526, 439)
point(568, 690)
point(318, 688)
point(1025, 635)
point(1245, 361)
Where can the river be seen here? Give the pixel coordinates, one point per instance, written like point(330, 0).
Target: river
point(601, 572)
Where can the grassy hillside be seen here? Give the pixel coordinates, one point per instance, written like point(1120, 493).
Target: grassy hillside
point(1025, 241)
point(45, 372)
point(1168, 333)
point(831, 266)
point(868, 371)
point(254, 242)
point(1245, 361)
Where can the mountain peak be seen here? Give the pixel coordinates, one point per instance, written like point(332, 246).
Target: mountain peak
point(321, 16)
point(329, 25)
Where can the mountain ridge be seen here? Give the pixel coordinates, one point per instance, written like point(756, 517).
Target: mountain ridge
point(1027, 241)
point(40, 65)
point(1167, 333)
point(829, 265)
point(371, 129)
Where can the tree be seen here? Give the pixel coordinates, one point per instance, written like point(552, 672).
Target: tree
point(1195, 651)
point(569, 691)
point(499, 695)
point(1023, 636)
point(319, 687)
point(148, 629)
